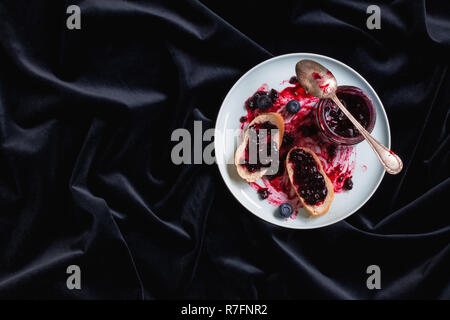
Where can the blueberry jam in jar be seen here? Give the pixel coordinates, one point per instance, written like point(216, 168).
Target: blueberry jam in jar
point(336, 126)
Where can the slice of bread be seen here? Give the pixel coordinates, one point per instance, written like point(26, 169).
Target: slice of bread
point(321, 208)
point(273, 118)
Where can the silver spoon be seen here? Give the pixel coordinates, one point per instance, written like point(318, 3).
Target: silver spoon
point(320, 82)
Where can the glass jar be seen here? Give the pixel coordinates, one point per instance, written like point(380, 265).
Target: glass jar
point(335, 126)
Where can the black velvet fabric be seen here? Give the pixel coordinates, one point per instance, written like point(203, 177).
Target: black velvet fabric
point(86, 176)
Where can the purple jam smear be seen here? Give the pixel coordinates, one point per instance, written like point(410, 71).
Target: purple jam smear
point(256, 139)
point(339, 123)
point(308, 180)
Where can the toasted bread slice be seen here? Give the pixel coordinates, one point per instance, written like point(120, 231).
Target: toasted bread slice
point(273, 118)
point(322, 207)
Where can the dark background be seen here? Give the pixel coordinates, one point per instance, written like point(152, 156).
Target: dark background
point(85, 171)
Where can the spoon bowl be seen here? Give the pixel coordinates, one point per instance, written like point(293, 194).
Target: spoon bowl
point(316, 79)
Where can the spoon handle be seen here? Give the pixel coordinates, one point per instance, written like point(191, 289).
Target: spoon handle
point(390, 161)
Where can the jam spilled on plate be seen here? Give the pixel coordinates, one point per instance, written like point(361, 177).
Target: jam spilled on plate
point(300, 130)
point(308, 180)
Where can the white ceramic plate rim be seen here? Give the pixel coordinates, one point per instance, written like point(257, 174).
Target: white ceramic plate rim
point(222, 166)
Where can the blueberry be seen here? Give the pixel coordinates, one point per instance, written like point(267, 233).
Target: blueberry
point(264, 102)
point(293, 106)
point(285, 210)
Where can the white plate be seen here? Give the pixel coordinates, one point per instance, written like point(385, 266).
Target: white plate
point(367, 174)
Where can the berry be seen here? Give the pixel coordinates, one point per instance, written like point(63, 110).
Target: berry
point(250, 104)
point(259, 94)
point(243, 119)
point(285, 210)
point(293, 80)
point(348, 184)
point(264, 102)
point(293, 106)
point(273, 94)
point(263, 193)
